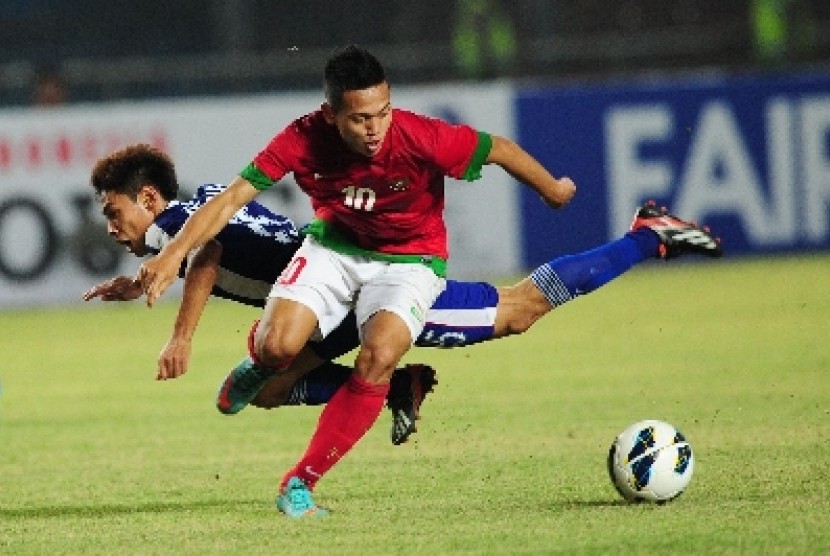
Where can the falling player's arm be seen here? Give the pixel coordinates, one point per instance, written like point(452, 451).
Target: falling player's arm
point(199, 279)
point(157, 273)
point(119, 288)
point(526, 169)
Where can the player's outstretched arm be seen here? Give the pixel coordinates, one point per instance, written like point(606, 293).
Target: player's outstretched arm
point(199, 280)
point(157, 273)
point(119, 288)
point(526, 169)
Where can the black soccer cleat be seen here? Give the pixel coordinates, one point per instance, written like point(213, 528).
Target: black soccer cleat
point(677, 237)
point(407, 390)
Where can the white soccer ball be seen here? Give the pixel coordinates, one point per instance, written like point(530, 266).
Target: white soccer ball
point(650, 461)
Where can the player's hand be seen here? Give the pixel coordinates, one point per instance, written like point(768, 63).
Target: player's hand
point(565, 191)
point(173, 359)
point(156, 275)
point(120, 288)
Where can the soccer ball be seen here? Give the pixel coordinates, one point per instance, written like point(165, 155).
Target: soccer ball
point(650, 461)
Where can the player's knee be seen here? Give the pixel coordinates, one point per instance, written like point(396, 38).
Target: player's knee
point(274, 349)
point(375, 363)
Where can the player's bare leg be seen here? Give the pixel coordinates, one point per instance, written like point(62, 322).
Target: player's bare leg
point(520, 306)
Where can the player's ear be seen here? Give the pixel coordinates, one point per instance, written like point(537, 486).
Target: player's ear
point(148, 197)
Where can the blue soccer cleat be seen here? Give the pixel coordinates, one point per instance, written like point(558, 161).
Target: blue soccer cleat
point(241, 386)
point(295, 500)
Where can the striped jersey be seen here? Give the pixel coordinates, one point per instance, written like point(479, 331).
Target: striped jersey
point(256, 245)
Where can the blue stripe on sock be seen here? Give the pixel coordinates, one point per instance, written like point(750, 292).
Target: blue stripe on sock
point(551, 285)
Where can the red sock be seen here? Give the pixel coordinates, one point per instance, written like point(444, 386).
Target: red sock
point(351, 412)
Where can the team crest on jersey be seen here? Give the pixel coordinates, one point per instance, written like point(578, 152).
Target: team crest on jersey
point(399, 184)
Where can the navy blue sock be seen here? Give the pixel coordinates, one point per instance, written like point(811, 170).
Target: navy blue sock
point(318, 386)
point(564, 278)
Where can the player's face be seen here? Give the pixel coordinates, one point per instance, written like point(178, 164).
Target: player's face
point(127, 220)
point(364, 118)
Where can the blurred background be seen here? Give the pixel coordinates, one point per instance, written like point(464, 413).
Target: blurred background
point(98, 50)
point(718, 109)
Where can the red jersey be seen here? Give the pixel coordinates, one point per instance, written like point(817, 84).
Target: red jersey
point(390, 203)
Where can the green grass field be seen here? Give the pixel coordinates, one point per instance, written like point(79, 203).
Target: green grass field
point(99, 458)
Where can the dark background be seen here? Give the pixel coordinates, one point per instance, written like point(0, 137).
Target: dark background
point(102, 50)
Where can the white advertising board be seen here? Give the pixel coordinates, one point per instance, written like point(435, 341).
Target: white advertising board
point(53, 244)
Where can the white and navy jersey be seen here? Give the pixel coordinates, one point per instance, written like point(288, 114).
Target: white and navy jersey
point(256, 245)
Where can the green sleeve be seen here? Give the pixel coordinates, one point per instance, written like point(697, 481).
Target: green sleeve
point(256, 177)
point(485, 143)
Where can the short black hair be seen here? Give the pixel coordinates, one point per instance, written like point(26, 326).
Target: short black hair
point(125, 171)
point(351, 69)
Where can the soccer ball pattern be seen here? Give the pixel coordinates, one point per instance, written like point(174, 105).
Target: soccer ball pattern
point(650, 461)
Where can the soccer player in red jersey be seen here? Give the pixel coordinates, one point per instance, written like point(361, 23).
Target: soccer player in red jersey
point(377, 245)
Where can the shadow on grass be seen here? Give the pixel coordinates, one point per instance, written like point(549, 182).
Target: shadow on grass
point(575, 504)
point(104, 510)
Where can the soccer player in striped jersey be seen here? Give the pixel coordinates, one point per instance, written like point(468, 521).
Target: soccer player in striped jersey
point(137, 188)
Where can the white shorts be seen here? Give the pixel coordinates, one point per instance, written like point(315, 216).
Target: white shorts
point(331, 284)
